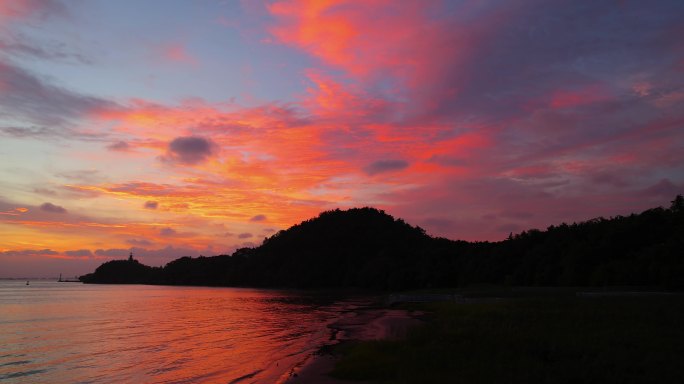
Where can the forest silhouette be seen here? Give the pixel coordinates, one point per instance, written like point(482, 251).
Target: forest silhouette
point(369, 249)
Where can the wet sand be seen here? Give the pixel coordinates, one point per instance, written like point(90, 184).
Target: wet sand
point(362, 324)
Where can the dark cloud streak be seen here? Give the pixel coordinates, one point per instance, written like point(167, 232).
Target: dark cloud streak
point(168, 231)
point(49, 207)
point(23, 46)
point(79, 253)
point(189, 150)
point(120, 146)
point(151, 205)
point(383, 166)
point(27, 98)
point(258, 218)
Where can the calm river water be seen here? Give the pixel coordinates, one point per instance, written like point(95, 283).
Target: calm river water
point(73, 333)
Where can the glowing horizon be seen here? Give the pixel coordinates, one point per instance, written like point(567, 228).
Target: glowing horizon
point(201, 127)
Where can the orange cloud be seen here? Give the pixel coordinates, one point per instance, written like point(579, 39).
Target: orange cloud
point(359, 37)
point(401, 48)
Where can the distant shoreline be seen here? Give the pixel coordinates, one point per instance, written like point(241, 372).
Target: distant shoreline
point(365, 248)
point(33, 278)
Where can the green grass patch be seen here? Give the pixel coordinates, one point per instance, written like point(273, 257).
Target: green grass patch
point(543, 340)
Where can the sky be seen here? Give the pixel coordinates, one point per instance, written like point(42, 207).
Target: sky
point(174, 128)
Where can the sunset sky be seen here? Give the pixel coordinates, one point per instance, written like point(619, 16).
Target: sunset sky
point(175, 128)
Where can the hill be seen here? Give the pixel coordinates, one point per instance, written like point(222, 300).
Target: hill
point(367, 248)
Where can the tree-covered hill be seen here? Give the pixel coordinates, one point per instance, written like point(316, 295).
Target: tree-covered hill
point(366, 248)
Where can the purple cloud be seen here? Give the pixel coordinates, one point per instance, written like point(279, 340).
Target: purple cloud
point(29, 132)
point(151, 205)
point(28, 98)
point(189, 150)
point(119, 146)
point(245, 235)
point(258, 218)
point(663, 189)
point(21, 45)
point(30, 252)
point(382, 166)
point(49, 207)
point(139, 242)
point(79, 253)
point(168, 231)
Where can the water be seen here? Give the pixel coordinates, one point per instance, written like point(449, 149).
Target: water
point(73, 333)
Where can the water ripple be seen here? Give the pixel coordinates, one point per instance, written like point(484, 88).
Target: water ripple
point(109, 334)
point(21, 374)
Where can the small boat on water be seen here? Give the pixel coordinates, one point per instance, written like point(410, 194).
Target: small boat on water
point(27, 283)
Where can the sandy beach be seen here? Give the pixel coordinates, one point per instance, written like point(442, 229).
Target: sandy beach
point(362, 324)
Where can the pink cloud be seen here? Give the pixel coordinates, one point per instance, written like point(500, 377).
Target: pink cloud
point(177, 53)
point(362, 38)
point(23, 9)
point(402, 49)
point(561, 99)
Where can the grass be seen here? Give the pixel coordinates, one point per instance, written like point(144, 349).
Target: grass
point(543, 340)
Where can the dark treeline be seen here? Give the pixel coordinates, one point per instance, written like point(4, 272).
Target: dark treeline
point(366, 248)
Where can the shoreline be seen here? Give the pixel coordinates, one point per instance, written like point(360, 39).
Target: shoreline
point(370, 323)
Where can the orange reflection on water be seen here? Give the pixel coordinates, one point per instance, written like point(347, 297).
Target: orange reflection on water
point(56, 332)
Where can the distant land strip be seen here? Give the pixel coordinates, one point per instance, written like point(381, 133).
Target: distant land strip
point(368, 249)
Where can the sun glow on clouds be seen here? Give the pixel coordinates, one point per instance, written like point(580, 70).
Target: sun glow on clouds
point(451, 115)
